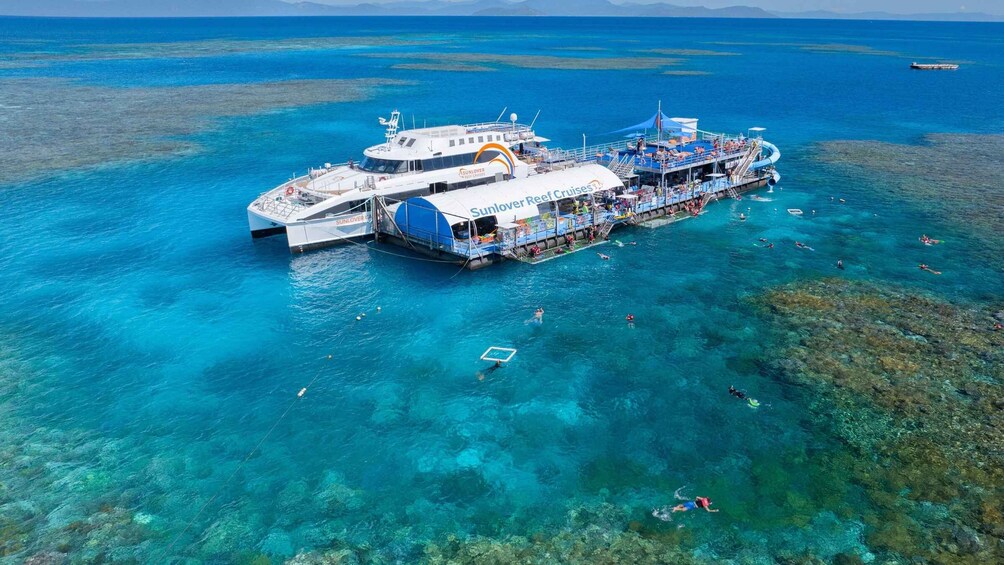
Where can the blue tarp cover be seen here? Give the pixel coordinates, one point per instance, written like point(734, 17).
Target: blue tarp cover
point(419, 218)
point(667, 124)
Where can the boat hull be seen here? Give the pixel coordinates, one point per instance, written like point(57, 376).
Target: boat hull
point(308, 235)
point(262, 226)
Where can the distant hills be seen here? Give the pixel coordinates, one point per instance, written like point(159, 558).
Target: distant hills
point(225, 8)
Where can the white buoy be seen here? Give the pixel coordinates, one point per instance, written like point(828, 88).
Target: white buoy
point(359, 318)
point(378, 308)
point(302, 392)
point(363, 314)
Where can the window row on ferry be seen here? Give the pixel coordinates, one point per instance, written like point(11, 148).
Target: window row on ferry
point(394, 166)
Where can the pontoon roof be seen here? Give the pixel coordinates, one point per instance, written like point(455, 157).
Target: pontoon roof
point(517, 199)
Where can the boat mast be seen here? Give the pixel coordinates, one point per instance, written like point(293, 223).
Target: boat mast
point(391, 125)
point(658, 125)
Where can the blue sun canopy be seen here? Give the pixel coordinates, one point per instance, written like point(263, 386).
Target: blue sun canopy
point(658, 119)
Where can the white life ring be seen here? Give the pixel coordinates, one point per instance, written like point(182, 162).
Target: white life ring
point(289, 191)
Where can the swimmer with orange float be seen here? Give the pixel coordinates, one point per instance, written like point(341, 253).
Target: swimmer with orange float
point(928, 241)
point(699, 502)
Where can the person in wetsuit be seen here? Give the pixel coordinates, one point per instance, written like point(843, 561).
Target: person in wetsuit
point(699, 502)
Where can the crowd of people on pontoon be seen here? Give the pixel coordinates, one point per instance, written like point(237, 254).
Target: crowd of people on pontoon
point(665, 153)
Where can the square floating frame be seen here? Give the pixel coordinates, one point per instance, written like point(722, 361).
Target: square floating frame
point(500, 354)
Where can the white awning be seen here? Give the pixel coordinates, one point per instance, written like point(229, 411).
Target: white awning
point(518, 199)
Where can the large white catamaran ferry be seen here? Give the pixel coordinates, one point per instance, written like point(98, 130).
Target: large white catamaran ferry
point(333, 204)
point(485, 192)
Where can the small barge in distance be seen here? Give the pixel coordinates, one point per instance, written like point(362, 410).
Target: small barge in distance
point(934, 66)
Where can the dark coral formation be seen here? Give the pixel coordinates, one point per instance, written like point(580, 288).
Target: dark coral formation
point(913, 385)
point(594, 534)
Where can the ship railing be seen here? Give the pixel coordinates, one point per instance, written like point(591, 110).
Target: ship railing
point(605, 152)
point(673, 163)
point(500, 127)
point(588, 153)
point(542, 227)
point(279, 206)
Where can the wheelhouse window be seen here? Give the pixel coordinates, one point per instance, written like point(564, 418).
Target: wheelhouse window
point(450, 161)
point(383, 166)
point(410, 142)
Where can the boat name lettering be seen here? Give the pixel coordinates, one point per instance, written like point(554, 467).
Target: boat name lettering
point(468, 173)
point(532, 200)
point(351, 220)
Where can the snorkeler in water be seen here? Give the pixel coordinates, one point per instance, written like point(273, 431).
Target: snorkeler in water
point(698, 502)
point(840, 264)
point(604, 257)
point(481, 375)
point(538, 316)
point(737, 393)
point(924, 267)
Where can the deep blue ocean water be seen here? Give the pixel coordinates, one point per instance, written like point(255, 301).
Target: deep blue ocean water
point(149, 344)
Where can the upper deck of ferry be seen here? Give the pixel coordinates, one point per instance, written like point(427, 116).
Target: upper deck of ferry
point(429, 142)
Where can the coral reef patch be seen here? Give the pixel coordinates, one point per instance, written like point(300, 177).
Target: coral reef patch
point(927, 175)
point(63, 125)
point(912, 384)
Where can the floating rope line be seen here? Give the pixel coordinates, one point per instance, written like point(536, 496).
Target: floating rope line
point(240, 466)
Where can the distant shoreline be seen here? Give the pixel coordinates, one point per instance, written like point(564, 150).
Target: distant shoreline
point(848, 18)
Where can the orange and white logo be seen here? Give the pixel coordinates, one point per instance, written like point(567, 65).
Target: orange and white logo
point(505, 158)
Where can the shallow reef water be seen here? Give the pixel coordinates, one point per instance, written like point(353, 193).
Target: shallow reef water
point(151, 352)
point(927, 174)
point(913, 385)
point(554, 62)
point(55, 125)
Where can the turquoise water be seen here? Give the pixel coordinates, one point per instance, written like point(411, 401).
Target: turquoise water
point(149, 345)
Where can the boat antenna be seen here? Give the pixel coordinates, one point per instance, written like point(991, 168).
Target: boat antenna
point(391, 125)
point(413, 121)
point(502, 113)
point(535, 119)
